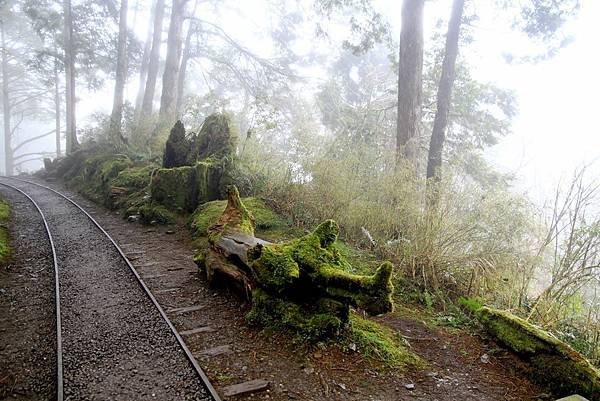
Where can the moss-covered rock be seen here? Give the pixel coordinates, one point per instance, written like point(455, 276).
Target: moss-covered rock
point(554, 364)
point(155, 214)
point(175, 188)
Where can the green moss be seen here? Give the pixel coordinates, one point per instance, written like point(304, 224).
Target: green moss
point(208, 178)
point(323, 270)
point(134, 178)
point(98, 173)
point(268, 224)
point(556, 365)
point(277, 271)
point(4, 236)
point(175, 188)
point(379, 343)
point(311, 322)
point(517, 334)
point(155, 214)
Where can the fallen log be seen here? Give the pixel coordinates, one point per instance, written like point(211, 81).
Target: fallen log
point(306, 277)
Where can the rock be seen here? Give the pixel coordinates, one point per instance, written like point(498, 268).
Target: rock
point(409, 386)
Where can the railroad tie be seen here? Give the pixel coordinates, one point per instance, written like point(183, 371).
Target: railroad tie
point(185, 309)
point(245, 387)
point(202, 329)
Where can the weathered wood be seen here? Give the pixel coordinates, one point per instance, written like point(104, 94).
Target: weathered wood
point(246, 387)
point(185, 309)
point(203, 329)
point(215, 351)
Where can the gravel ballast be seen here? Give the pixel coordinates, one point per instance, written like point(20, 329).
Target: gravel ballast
point(115, 343)
point(28, 329)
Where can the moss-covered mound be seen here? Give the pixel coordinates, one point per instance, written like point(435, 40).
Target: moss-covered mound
point(4, 237)
point(197, 168)
point(554, 364)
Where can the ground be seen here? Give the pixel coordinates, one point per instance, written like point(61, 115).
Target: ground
point(460, 366)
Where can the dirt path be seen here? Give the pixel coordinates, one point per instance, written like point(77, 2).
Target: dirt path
point(232, 353)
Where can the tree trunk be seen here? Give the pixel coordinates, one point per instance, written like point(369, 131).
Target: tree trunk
point(121, 76)
point(57, 107)
point(410, 81)
point(444, 94)
point(154, 59)
point(168, 100)
point(183, 67)
point(8, 153)
point(71, 129)
point(144, 70)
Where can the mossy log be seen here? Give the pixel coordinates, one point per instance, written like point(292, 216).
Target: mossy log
point(554, 363)
point(306, 274)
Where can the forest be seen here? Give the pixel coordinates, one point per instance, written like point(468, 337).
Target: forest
point(330, 152)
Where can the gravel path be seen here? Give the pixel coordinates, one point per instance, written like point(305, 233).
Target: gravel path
point(115, 344)
point(28, 328)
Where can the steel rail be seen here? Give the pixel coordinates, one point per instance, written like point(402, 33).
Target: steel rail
point(59, 362)
point(205, 381)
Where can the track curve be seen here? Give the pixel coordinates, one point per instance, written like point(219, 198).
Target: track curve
point(59, 364)
point(82, 284)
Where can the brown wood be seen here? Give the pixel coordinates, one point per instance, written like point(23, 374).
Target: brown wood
point(203, 329)
point(444, 94)
point(185, 309)
point(410, 80)
point(220, 350)
point(246, 387)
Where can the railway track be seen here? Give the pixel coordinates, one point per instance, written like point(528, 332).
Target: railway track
point(113, 339)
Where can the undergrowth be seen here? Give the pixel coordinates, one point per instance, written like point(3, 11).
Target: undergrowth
point(4, 237)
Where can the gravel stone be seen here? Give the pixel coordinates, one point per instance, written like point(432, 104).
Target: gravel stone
point(115, 343)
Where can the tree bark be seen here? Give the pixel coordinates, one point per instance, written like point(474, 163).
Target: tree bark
point(6, 109)
point(144, 70)
point(168, 100)
point(434, 161)
point(71, 125)
point(410, 81)
point(121, 76)
point(185, 58)
point(153, 60)
point(57, 113)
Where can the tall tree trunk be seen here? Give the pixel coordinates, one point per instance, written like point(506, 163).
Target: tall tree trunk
point(185, 58)
point(144, 70)
point(8, 153)
point(71, 125)
point(121, 76)
point(57, 106)
point(154, 59)
point(444, 94)
point(410, 81)
point(168, 100)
